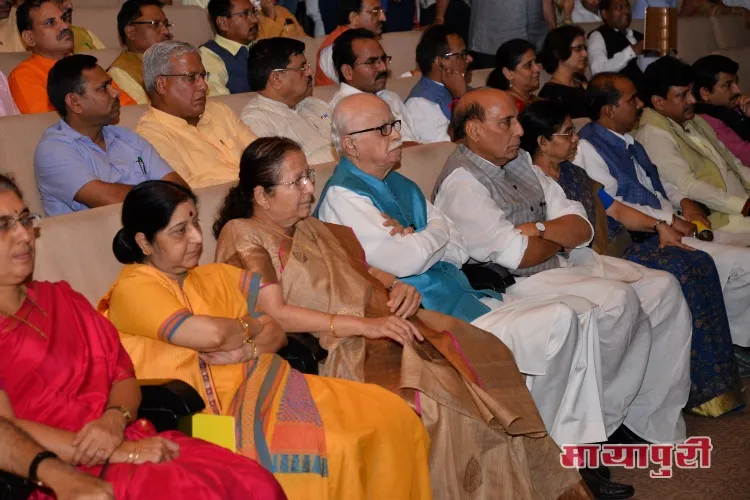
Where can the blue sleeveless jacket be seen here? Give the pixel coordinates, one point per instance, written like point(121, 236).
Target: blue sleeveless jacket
point(236, 66)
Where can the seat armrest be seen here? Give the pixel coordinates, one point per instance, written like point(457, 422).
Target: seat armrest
point(303, 352)
point(165, 401)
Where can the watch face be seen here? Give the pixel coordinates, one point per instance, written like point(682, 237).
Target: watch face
point(540, 226)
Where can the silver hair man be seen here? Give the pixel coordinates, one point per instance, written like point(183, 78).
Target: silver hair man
point(157, 60)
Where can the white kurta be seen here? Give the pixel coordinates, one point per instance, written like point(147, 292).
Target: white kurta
point(729, 251)
point(553, 337)
point(645, 358)
point(430, 124)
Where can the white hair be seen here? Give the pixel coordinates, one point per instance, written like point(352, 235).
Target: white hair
point(157, 60)
point(338, 125)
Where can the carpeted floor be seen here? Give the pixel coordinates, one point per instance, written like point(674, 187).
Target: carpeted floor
point(729, 475)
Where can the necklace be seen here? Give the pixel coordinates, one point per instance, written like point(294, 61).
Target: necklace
point(24, 320)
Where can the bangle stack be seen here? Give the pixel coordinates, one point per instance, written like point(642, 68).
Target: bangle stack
point(247, 340)
point(125, 413)
point(390, 287)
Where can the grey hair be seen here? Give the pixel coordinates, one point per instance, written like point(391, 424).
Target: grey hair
point(157, 60)
point(338, 126)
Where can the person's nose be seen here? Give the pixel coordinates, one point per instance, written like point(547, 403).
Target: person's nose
point(690, 98)
point(381, 16)
point(114, 91)
point(196, 235)
point(638, 103)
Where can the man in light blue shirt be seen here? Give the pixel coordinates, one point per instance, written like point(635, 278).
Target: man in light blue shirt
point(84, 161)
point(639, 6)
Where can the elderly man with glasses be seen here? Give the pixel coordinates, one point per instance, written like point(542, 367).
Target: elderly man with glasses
point(140, 24)
point(362, 66)
point(283, 106)
point(201, 140)
point(225, 57)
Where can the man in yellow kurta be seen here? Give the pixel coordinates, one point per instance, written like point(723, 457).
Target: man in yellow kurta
point(140, 24)
point(84, 39)
point(201, 140)
point(276, 20)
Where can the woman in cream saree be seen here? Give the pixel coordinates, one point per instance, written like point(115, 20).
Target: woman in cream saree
point(488, 440)
point(322, 438)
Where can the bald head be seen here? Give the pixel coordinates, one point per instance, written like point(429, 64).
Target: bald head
point(355, 133)
point(487, 120)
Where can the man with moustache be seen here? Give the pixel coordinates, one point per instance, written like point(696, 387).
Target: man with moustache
point(85, 160)
point(201, 140)
point(721, 104)
point(140, 24)
point(84, 39)
point(613, 158)
point(444, 62)
point(225, 57)
point(687, 152)
point(283, 106)
point(355, 14)
point(511, 214)
point(362, 66)
point(49, 37)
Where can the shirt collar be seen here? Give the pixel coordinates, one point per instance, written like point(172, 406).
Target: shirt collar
point(627, 138)
point(346, 90)
point(278, 105)
point(486, 166)
point(230, 45)
point(108, 132)
point(176, 121)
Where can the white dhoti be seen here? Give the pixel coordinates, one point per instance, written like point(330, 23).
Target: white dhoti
point(645, 333)
point(555, 344)
point(732, 258)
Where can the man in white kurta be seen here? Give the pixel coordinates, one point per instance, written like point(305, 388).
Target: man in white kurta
point(511, 214)
point(283, 105)
point(363, 65)
point(553, 337)
point(729, 251)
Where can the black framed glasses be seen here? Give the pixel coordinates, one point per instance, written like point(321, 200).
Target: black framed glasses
point(191, 77)
point(385, 130)
point(155, 24)
point(245, 14)
point(302, 69)
point(385, 59)
point(462, 53)
point(308, 177)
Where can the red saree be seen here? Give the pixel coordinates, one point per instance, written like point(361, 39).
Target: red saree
point(63, 381)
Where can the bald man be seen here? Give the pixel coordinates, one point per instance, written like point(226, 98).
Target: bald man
point(428, 252)
point(510, 213)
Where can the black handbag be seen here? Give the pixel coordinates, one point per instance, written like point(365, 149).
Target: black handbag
point(488, 276)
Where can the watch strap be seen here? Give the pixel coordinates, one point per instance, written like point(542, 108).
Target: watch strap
point(34, 466)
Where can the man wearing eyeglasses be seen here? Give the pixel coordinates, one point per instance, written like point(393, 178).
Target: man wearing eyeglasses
point(444, 62)
point(225, 57)
point(354, 14)
point(49, 37)
point(283, 106)
point(201, 140)
point(140, 24)
point(362, 66)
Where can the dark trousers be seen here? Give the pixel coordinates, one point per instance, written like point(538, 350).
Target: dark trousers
point(457, 17)
point(400, 15)
point(482, 61)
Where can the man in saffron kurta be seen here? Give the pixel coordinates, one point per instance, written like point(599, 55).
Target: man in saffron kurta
point(202, 141)
point(140, 24)
point(49, 38)
point(367, 14)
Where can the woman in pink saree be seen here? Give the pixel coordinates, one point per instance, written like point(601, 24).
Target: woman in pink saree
point(70, 385)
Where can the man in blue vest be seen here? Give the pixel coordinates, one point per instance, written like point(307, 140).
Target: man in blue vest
point(444, 62)
point(225, 57)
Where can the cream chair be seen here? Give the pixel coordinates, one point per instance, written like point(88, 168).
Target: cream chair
point(311, 49)
point(402, 47)
point(730, 31)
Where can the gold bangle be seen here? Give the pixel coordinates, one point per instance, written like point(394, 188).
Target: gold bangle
point(330, 325)
point(125, 413)
point(255, 349)
point(245, 329)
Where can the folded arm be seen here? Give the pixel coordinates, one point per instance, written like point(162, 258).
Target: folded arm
point(599, 60)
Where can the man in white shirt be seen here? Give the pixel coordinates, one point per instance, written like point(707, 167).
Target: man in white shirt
point(511, 214)
point(362, 66)
point(280, 74)
point(613, 99)
point(686, 150)
point(586, 11)
point(444, 63)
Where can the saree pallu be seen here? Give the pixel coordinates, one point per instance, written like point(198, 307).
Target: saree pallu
point(321, 438)
point(64, 381)
point(488, 440)
point(715, 386)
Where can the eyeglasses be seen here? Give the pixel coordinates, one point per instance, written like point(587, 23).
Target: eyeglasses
point(302, 69)
point(307, 178)
point(579, 48)
point(191, 77)
point(463, 53)
point(245, 14)
point(568, 134)
point(374, 60)
point(376, 11)
point(155, 24)
point(28, 221)
point(385, 129)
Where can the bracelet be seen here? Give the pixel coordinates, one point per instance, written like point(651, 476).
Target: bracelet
point(254, 355)
point(390, 287)
point(34, 466)
point(330, 325)
point(245, 329)
point(125, 413)
point(656, 226)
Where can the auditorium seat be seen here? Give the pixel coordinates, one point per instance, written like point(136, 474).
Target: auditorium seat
point(9, 60)
point(77, 247)
point(730, 31)
point(402, 47)
point(311, 49)
point(695, 38)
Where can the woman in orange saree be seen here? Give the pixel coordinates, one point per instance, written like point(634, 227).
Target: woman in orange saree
point(322, 438)
point(488, 440)
point(70, 385)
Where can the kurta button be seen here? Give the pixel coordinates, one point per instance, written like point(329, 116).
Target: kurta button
point(532, 208)
point(515, 187)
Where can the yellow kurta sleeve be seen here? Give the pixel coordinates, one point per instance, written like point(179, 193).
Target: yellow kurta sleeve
point(217, 81)
point(128, 85)
point(285, 24)
point(96, 41)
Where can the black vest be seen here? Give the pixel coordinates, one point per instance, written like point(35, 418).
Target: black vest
point(236, 66)
point(615, 41)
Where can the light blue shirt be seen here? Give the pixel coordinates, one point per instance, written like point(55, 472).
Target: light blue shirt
point(66, 160)
point(639, 6)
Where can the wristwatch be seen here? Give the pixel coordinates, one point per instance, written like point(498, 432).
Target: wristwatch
point(541, 228)
point(656, 226)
